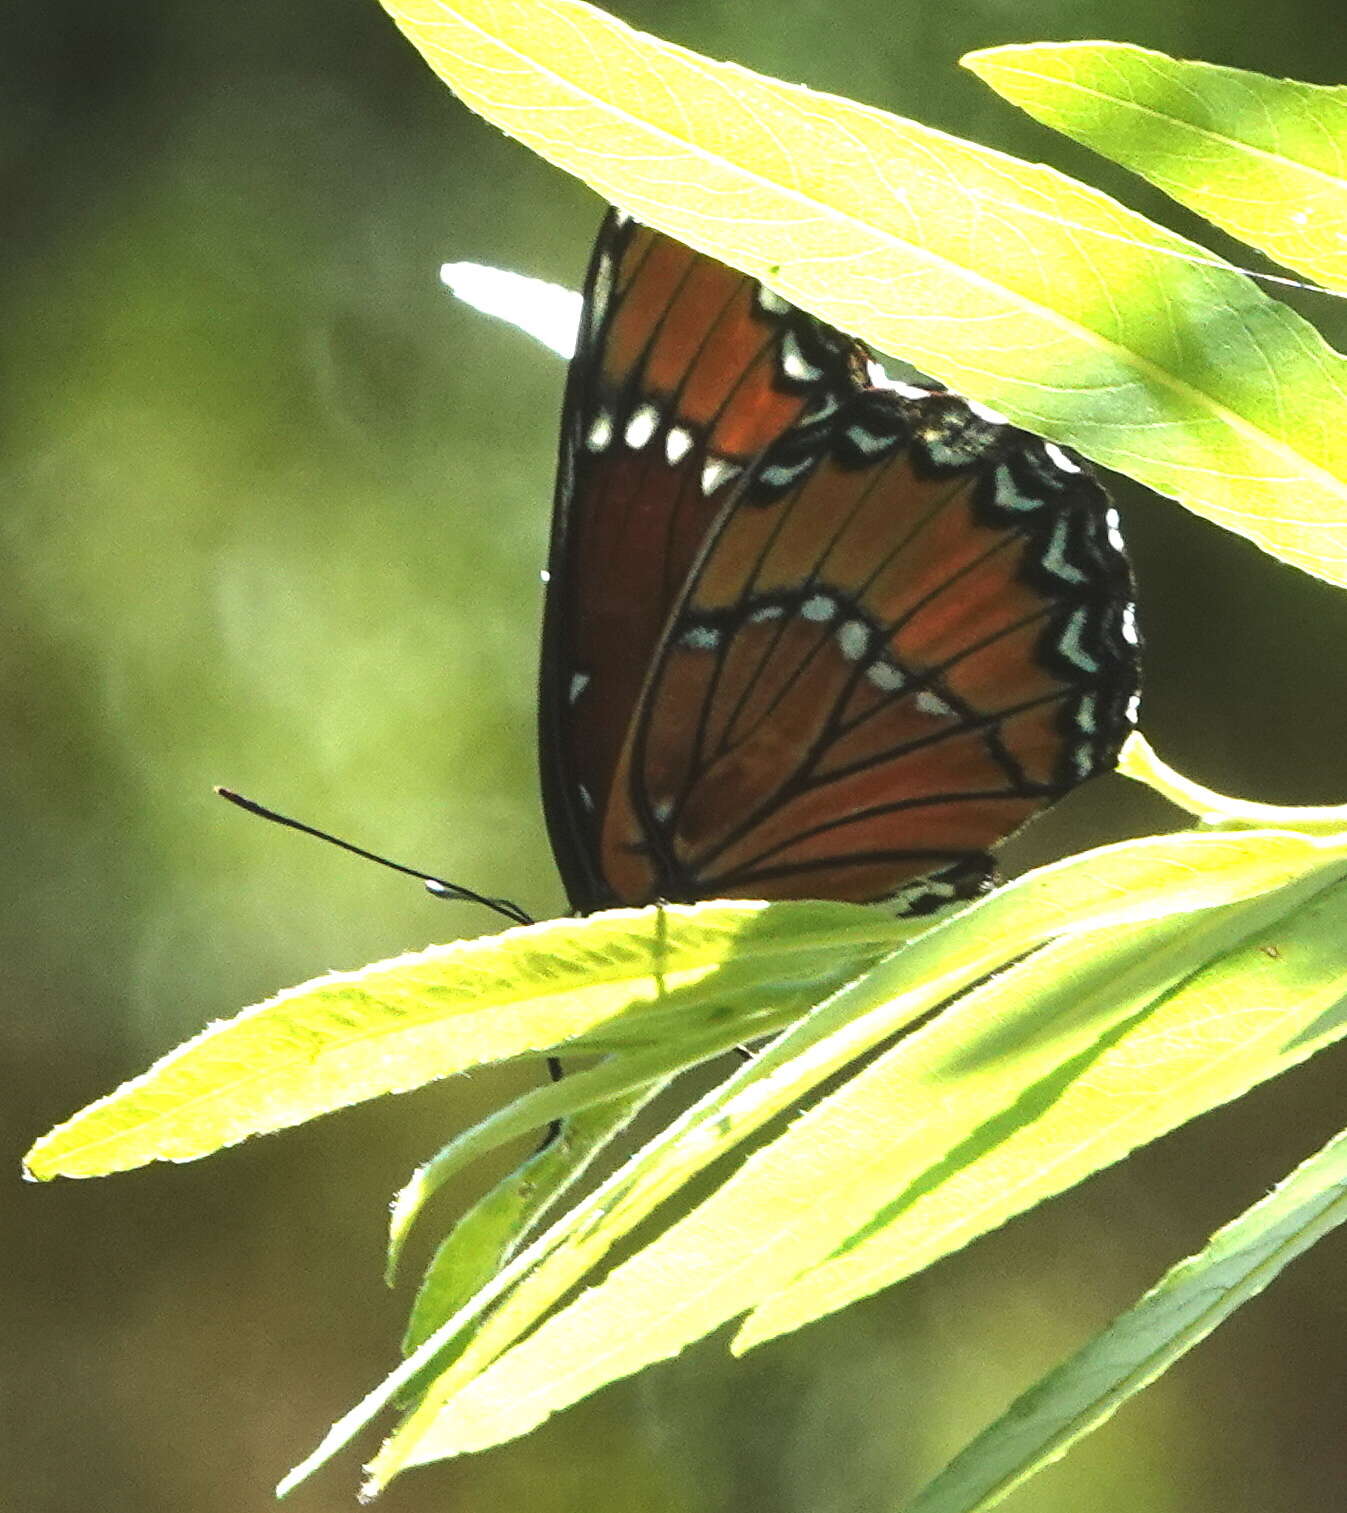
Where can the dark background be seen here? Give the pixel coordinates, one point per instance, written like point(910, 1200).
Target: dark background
point(273, 513)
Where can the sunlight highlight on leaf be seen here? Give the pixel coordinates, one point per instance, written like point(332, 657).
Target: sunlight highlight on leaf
point(972, 1119)
point(1235, 1000)
point(547, 312)
point(732, 1252)
point(1009, 281)
point(628, 976)
point(1139, 761)
point(1263, 158)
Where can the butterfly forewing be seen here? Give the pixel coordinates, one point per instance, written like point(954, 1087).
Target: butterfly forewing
point(684, 374)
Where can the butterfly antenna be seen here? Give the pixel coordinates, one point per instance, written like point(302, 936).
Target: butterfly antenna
point(435, 885)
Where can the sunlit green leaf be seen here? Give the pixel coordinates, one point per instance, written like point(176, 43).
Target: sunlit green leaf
point(629, 977)
point(972, 1119)
point(615, 1077)
point(1177, 1314)
point(1261, 157)
point(1077, 318)
point(1238, 997)
point(700, 1287)
point(1139, 760)
point(485, 1237)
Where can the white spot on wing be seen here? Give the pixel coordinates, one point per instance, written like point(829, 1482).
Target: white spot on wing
point(766, 612)
point(869, 443)
point(1059, 459)
point(1085, 714)
point(879, 379)
point(819, 608)
point(885, 676)
point(586, 798)
point(662, 810)
point(1114, 527)
point(1054, 559)
point(1008, 494)
point(985, 412)
point(794, 364)
point(604, 277)
point(825, 406)
point(1129, 624)
point(717, 472)
point(641, 426)
point(579, 682)
point(932, 704)
point(853, 639)
point(677, 444)
point(700, 638)
point(782, 474)
point(770, 302)
point(600, 434)
point(1070, 646)
point(1133, 707)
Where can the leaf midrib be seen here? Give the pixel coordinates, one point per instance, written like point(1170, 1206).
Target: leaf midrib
point(1336, 181)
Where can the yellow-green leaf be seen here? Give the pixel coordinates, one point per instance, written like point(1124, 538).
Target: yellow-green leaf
point(1114, 894)
point(1054, 1068)
point(617, 1076)
point(1139, 760)
point(486, 1236)
point(1077, 318)
point(626, 977)
point(1265, 997)
point(1178, 1313)
point(1264, 158)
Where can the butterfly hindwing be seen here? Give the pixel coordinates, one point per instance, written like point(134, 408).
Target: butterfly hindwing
point(911, 629)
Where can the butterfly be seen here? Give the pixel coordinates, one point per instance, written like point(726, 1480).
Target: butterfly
point(809, 632)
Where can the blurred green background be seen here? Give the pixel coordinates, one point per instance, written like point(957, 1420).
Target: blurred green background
point(273, 513)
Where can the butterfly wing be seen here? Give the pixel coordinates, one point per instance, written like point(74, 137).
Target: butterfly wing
point(684, 373)
point(909, 630)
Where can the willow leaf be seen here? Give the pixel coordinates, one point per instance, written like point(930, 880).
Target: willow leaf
point(1077, 318)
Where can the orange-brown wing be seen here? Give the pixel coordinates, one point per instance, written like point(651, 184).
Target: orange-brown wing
point(911, 629)
point(685, 371)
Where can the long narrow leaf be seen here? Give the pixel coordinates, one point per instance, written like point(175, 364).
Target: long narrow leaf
point(1075, 317)
point(614, 1077)
point(1178, 1313)
point(912, 981)
point(1263, 1004)
point(627, 977)
point(932, 1145)
point(485, 1237)
point(528, 1286)
point(1140, 762)
point(1261, 157)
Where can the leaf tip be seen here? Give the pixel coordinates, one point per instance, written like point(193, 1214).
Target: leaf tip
point(984, 60)
point(35, 1167)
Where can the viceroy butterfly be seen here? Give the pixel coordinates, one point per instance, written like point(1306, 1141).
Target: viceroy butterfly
point(809, 632)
